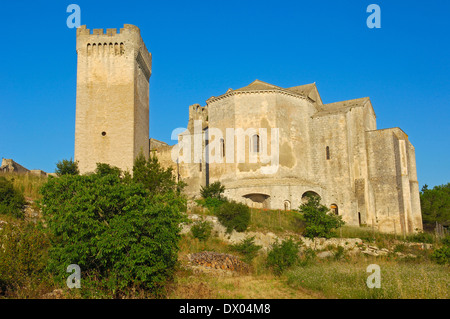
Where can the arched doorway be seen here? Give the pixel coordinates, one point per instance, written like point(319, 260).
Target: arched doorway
point(309, 194)
point(287, 205)
point(257, 200)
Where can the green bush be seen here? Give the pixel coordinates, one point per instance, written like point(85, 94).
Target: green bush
point(154, 177)
point(421, 237)
point(247, 248)
point(320, 222)
point(214, 190)
point(113, 229)
point(234, 216)
point(283, 255)
point(104, 169)
point(23, 256)
point(308, 257)
point(12, 201)
point(67, 167)
point(442, 255)
point(211, 203)
point(201, 230)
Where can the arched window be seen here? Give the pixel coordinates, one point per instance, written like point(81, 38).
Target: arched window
point(287, 205)
point(255, 141)
point(334, 209)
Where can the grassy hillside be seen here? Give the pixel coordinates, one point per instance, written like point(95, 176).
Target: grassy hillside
point(341, 276)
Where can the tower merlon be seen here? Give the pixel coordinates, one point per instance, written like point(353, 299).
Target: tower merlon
point(127, 28)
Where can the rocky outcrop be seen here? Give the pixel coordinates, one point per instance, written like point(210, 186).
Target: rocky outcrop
point(220, 261)
point(351, 246)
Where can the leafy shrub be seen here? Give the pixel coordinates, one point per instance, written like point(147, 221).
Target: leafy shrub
point(421, 237)
point(442, 255)
point(12, 201)
point(308, 256)
point(104, 169)
point(320, 222)
point(234, 216)
point(202, 230)
point(67, 167)
point(154, 177)
point(113, 229)
point(340, 253)
point(211, 203)
point(214, 190)
point(248, 248)
point(23, 256)
point(283, 255)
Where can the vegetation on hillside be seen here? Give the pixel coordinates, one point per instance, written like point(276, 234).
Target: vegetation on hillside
point(123, 231)
point(435, 205)
point(12, 201)
point(319, 221)
point(67, 167)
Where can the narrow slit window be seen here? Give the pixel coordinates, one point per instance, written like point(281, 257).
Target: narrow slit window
point(256, 143)
point(222, 147)
point(328, 152)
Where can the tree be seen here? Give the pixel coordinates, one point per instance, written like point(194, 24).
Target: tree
point(154, 177)
point(320, 222)
point(67, 167)
point(435, 204)
point(104, 169)
point(113, 227)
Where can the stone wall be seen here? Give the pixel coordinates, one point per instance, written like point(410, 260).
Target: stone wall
point(334, 150)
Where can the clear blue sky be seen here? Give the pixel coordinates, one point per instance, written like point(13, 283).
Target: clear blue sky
point(202, 48)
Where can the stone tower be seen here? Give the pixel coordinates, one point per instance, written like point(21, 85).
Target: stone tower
point(112, 101)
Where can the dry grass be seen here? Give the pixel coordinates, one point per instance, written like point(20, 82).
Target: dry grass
point(399, 280)
point(27, 183)
point(276, 221)
point(208, 286)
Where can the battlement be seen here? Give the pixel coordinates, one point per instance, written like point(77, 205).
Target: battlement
point(127, 28)
point(100, 43)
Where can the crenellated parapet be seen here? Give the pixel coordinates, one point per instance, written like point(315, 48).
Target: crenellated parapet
point(98, 43)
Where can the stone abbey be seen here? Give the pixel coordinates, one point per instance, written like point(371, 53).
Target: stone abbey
point(366, 175)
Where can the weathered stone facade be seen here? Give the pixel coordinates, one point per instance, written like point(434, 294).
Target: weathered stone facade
point(112, 114)
point(367, 176)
